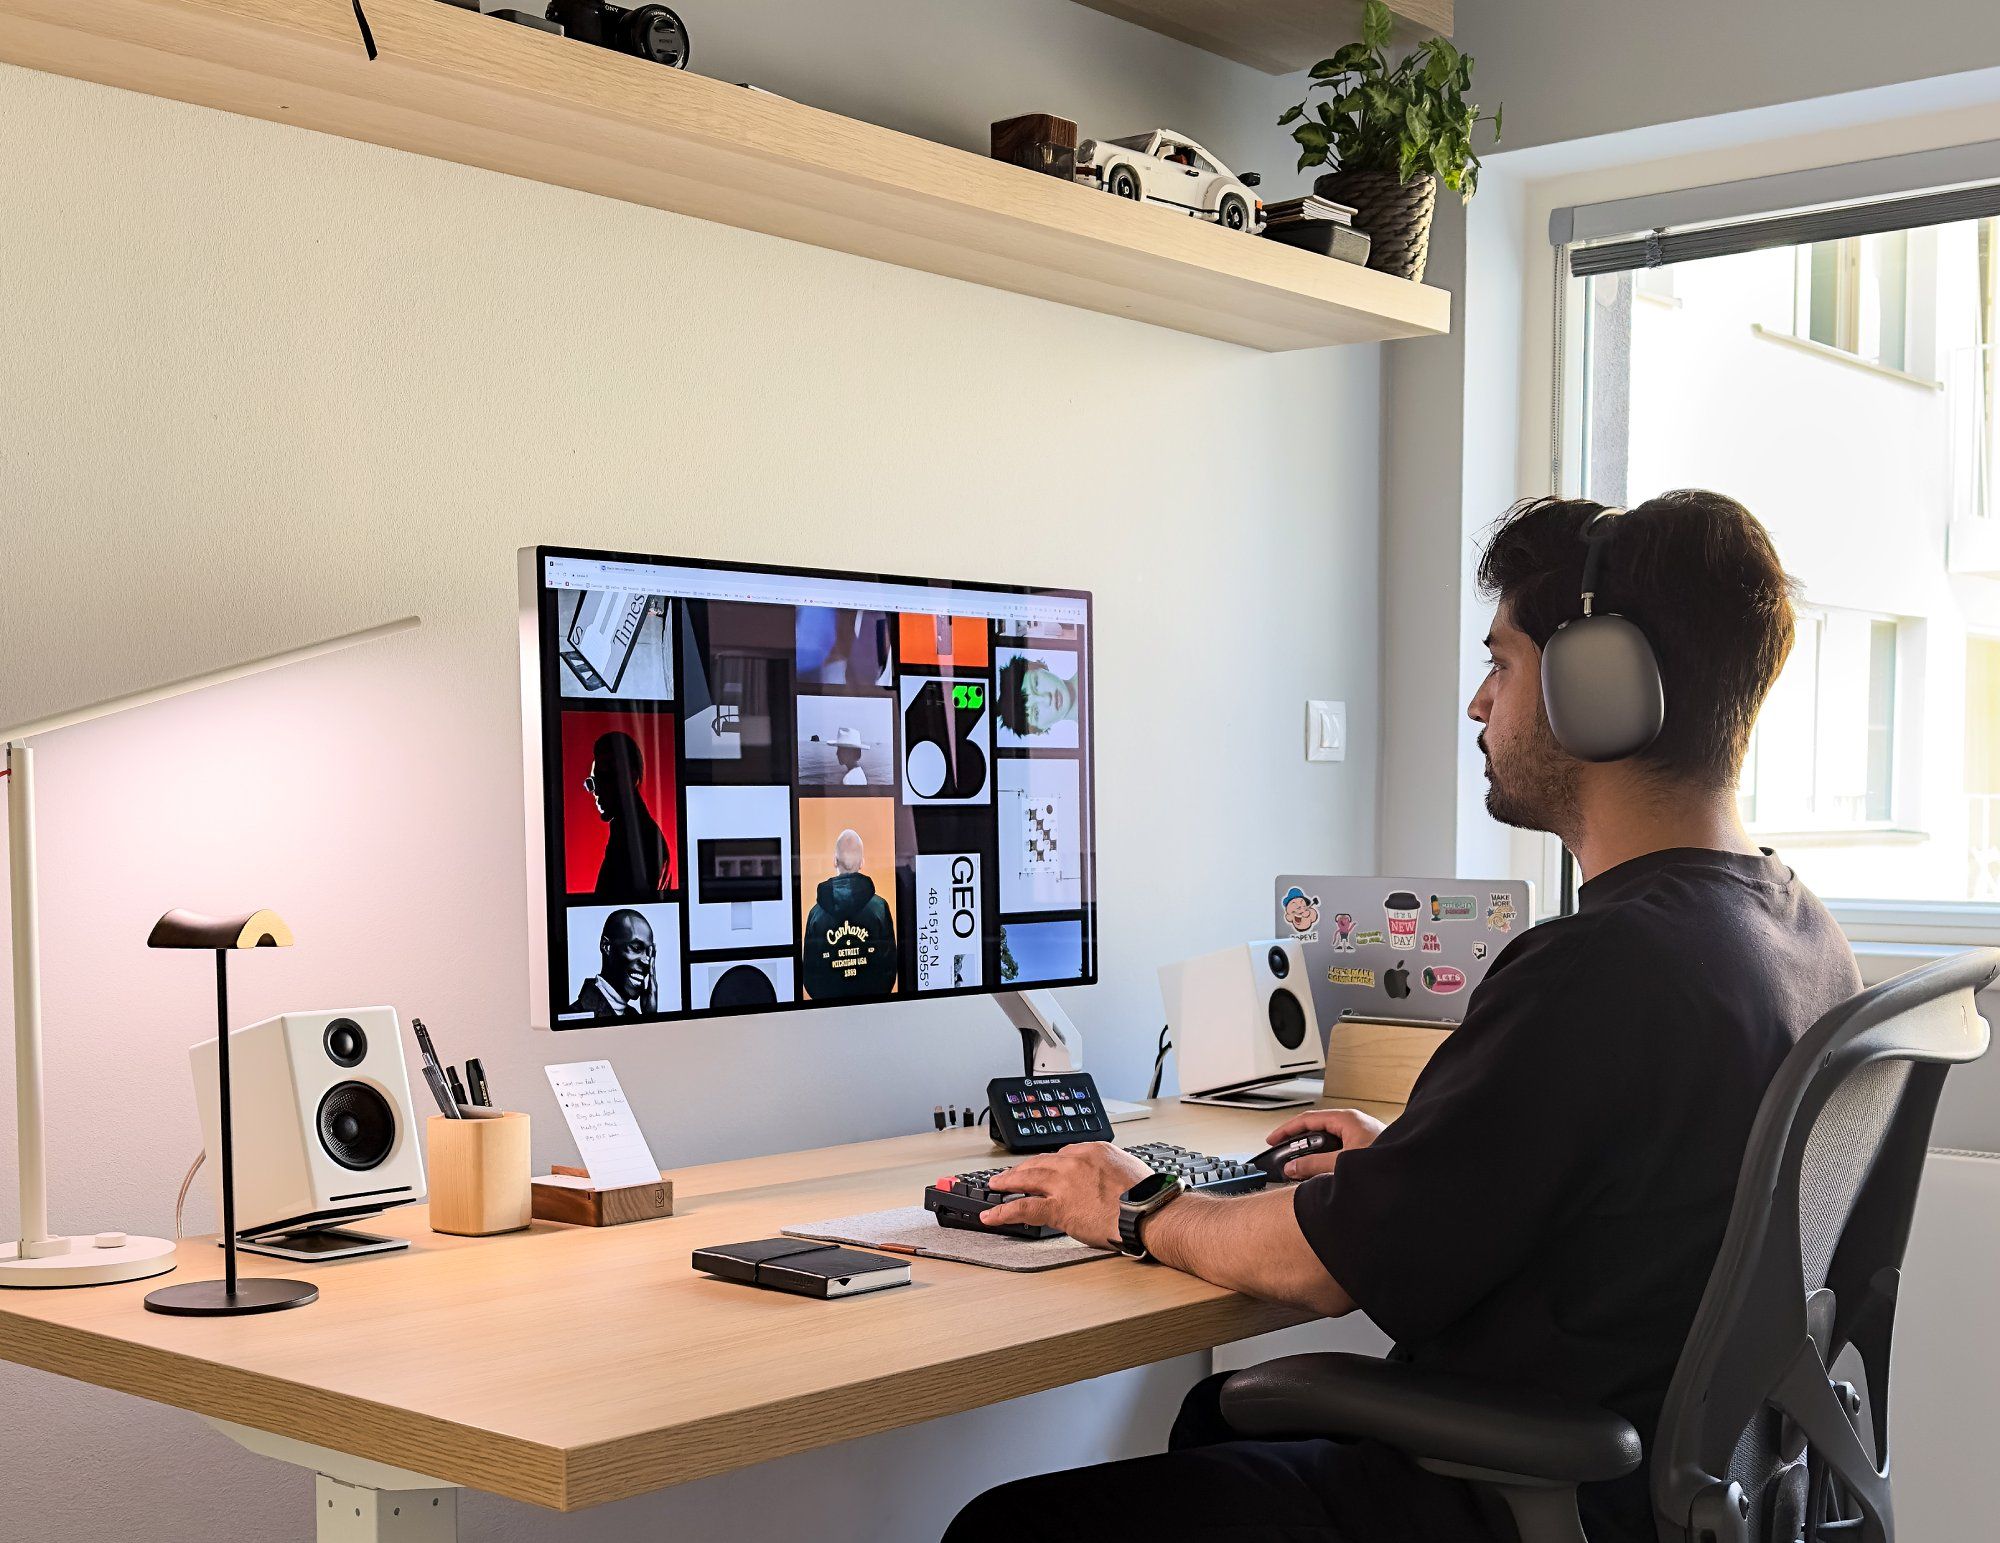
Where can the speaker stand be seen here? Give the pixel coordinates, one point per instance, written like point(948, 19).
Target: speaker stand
point(312, 1245)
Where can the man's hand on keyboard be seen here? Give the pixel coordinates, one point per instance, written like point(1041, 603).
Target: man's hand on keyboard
point(1076, 1189)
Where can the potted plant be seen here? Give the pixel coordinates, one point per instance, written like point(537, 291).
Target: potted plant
point(1392, 135)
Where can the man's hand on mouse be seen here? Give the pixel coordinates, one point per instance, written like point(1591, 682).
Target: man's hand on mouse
point(1355, 1130)
point(1075, 1188)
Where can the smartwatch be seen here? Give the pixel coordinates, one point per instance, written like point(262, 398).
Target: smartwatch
point(1138, 1203)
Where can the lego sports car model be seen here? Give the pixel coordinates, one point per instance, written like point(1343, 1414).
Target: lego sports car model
point(1163, 167)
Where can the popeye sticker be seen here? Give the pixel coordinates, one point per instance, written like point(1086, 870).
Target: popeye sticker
point(1343, 934)
point(1302, 914)
point(1342, 975)
point(1400, 911)
point(1443, 979)
point(1500, 911)
point(1454, 908)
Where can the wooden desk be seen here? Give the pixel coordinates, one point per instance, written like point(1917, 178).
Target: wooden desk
point(609, 1367)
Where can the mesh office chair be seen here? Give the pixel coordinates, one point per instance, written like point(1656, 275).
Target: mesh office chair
point(1775, 1427)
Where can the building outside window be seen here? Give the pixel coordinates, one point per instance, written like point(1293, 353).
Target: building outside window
point(1844, 391)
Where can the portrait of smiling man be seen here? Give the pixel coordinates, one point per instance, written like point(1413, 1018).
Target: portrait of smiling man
point(1547, 1209)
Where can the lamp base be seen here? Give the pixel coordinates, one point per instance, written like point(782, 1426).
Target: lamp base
point(87, 1263)
point(212, 1299)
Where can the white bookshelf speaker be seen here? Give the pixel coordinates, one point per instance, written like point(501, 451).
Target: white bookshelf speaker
point(1241, 1016)
point(325, 1130)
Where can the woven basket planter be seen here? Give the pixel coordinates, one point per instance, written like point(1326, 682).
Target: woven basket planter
point(1394, 215)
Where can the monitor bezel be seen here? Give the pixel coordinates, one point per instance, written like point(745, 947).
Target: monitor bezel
point(540, 709)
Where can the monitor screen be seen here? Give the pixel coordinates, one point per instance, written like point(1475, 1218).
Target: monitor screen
point(755, 788)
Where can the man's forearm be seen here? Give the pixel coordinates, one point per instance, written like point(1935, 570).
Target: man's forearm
point(1250, 1244)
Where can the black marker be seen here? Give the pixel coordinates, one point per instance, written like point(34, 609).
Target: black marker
point(457, 1087)
point(475, 1082)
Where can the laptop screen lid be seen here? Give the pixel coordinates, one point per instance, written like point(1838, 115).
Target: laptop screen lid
point(1394, 949)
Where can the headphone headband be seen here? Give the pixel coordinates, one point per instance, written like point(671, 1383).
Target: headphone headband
point(1596, 537)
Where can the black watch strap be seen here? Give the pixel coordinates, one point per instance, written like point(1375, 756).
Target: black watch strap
point(1132, 1218)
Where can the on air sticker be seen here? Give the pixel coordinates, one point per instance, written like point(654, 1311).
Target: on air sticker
point(1432, 943)
point(1443, 979)
point(1454, 908)
point(1500, 911)
point(1343, 975)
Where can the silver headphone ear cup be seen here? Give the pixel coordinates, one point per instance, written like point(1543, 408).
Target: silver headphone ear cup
point(1601, 688)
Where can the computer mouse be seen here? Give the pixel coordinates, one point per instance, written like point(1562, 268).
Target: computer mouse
point(1310, 1144)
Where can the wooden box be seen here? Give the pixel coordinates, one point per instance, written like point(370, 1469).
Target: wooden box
point(478, 1175)
point(1039, 142)
point(1377, 1062)
point(566, 1195)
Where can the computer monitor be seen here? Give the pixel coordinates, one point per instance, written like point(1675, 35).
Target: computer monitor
point(755, 788)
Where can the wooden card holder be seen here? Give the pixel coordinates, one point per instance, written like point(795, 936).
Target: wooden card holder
point(479, 1175)
point(1377, 1062)
point(565, 1195)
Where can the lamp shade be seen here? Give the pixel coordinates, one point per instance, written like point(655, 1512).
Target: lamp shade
point(190, 929)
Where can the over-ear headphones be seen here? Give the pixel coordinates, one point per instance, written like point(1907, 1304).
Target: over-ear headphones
point(1600, 680)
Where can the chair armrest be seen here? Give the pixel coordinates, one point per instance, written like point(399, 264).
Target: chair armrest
point(1432, 1415)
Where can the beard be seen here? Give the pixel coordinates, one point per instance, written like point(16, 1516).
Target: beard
point(1533, 786)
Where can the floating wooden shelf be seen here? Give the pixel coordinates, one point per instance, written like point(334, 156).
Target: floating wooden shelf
point(483, 92)
point(1278, 36)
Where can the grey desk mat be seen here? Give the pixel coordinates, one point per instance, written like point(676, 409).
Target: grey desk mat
point(911, 1230)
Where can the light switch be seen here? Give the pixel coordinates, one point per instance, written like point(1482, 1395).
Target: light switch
point(1326, 731)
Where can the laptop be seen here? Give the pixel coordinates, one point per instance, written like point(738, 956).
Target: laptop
point(1391, 949)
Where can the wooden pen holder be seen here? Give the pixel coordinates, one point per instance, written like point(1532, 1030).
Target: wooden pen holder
point(479, 1172)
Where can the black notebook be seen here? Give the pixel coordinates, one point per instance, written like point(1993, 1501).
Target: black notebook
point(804, 1267)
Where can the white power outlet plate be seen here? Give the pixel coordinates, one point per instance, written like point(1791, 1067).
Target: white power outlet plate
point(1326, 731)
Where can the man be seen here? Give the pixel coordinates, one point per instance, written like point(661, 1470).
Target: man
point(635, 865)
point(624, 984)
point(1547, 1210)
point(1031, 698)
point(850, 947)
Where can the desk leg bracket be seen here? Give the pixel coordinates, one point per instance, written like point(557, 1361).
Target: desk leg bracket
point(358, 1500)
point(353, 1513)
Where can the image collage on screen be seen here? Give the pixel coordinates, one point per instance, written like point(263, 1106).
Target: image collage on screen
point(766, 789)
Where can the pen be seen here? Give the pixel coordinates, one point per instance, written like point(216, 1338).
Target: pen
point(434, 1072)
point(457, 1087)
point(475, 1081)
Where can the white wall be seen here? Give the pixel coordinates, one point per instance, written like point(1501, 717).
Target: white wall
point(258, 386)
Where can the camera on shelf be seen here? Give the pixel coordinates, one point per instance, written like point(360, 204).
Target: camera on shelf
point(649, 31)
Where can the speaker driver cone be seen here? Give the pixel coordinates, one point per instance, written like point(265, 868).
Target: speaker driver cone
point(1288, 1020)
point(357, 1126)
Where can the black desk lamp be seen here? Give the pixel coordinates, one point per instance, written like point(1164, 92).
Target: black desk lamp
point(259, 1294)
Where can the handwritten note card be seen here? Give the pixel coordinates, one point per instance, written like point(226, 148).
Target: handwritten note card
point(608, 1138)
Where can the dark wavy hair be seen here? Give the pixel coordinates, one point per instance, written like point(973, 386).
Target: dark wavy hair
point(1698, 573)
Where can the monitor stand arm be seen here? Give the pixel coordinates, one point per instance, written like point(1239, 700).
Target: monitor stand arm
point(1051, 1044)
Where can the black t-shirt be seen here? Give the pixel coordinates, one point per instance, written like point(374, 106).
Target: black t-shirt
point(1548, 1208)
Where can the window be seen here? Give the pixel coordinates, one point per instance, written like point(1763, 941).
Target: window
point(1822, 757)
point(1875, 765)
point(1853, 295)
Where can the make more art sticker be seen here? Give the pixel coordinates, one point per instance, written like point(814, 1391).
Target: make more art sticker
point(1500, 912)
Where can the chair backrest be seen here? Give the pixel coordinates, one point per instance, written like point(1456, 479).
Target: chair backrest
point(1757, 1442)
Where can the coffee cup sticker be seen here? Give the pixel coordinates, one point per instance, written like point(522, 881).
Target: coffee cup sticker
point(1443, 979)
point(1400, 912)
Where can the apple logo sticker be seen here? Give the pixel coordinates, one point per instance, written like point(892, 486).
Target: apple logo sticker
point(1397, 982)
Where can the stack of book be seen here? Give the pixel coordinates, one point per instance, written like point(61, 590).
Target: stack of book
point(1317, 224)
